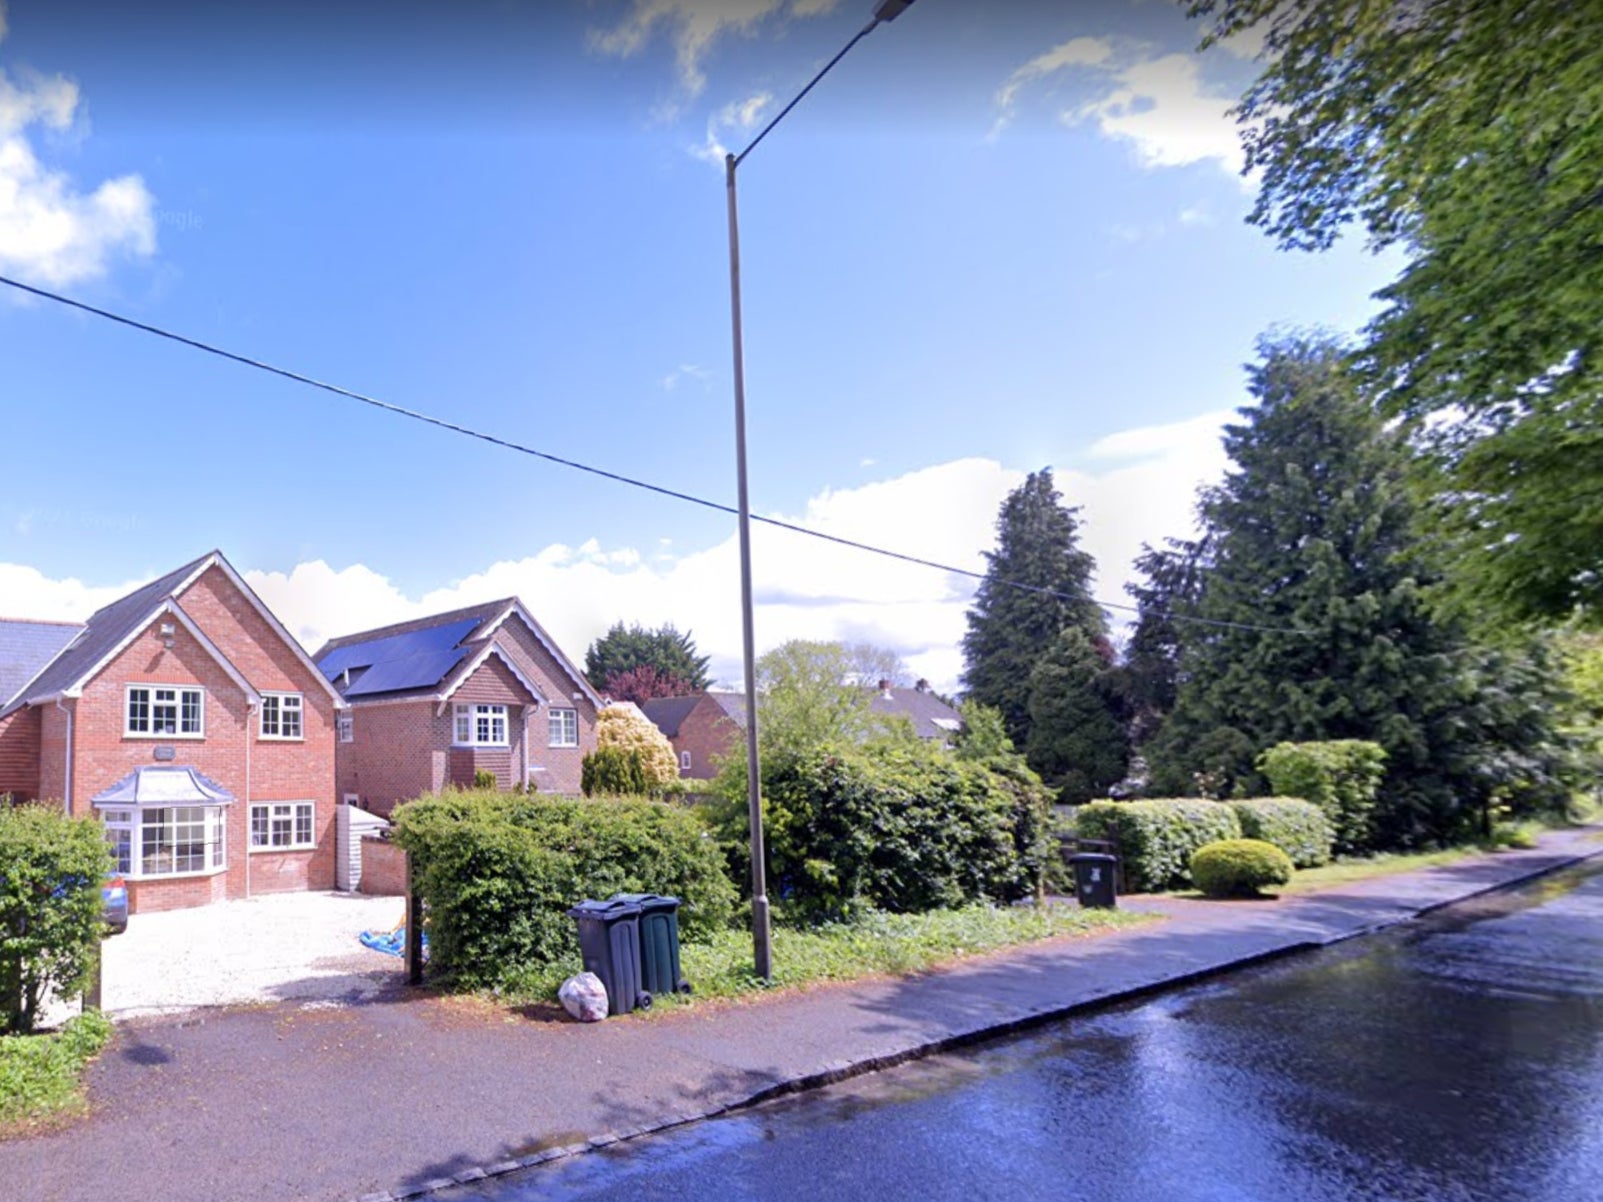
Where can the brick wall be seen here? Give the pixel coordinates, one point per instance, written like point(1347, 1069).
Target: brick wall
point(231, 752)
point(403, 749)
point(383, 868)
point(19, 754)
point(707, 732)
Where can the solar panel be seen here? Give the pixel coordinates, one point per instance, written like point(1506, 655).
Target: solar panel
point(415, 659)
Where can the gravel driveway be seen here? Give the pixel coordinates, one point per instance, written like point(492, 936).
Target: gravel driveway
point(284, 946)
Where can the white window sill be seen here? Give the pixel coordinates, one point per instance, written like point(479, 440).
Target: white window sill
point(281, 738)
point(136, 734)
point(176, 876)
point(263, 851)
point(481, 746)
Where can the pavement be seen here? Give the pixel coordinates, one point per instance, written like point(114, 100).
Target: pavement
point(412, 1092)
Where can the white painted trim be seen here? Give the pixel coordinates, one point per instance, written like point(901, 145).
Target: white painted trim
point(151, 685)
point(546, 641)
point(7, 704)
point(252, 849)
point(300, 712)
point(267, 615)
point(167, 606)
point(478, 662)
point(506, 722)
point(552, 712)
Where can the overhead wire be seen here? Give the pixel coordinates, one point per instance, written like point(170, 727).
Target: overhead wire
point(616, 477)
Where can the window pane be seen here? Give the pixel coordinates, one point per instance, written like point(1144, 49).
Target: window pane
point(292, 717)
point(258, 826)
point(303, 824)
point(191, 715)
point(269, 716)
point(122, 848)
point(464, 724)
point(139, 710)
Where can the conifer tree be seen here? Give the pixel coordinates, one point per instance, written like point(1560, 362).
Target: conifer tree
point(1077, 741)
point(1313, 558)
point(666, 650)
point(1010, 630)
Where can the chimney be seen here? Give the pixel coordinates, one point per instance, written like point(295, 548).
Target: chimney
point(923, 686)
point(885, 688)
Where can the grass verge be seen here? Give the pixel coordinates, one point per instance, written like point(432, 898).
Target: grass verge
point(876, 945)
point(40, 1075)
point(1346, 871)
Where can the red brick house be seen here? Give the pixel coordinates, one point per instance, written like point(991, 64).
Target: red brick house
point(188, 719)
point(436, 700)
point(704, 727)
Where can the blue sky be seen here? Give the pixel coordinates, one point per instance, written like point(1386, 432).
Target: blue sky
point(996, 237)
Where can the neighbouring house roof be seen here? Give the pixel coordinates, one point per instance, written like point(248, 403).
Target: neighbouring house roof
point(113, 626)
point(25, 649)
point(669, 713)
point(932, 718)
point(429, 658)
point(164, 785)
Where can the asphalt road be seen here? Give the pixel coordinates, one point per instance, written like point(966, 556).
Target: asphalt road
point(1458, 1059)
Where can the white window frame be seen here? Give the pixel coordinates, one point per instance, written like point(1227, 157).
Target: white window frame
point(684, 761)
point(562, 725)
point(345, 721)
point(121, 828)
point(283, 706)
point(181, 700)
point(469, 722)
point(299, 829)
point(133, 823)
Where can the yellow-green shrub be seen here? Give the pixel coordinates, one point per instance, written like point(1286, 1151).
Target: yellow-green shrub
point(1239, 867)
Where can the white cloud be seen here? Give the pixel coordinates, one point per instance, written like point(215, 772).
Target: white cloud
point(50, 231)
point(1077, 52)
point(1162, 107)
point(694, 25)
point(686, 371)
point(1159, 105)
point(1139, 487)
point(739, 115)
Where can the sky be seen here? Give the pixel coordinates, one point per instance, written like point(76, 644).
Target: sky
point(997, 237)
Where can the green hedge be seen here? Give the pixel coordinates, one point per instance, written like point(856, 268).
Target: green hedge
point(1156, 838)
point(51, 867)
point(1342, 777)
point(1298, 828)
point(499, 871)
point(1239, 867)
point(898, 826)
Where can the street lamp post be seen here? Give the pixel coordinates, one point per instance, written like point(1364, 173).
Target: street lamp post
point(884, 10)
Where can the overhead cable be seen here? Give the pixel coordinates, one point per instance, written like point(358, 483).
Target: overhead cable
point(617, 477)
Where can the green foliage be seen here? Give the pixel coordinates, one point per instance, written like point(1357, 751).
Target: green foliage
point(1320, 591)
point(39, 1074)
point(1156, 838)
point(1466, 135)
point(1171, 584)
point(1011, 629)
point(625, 726)
point(498, 873)
point(51, 868)
point(1342, 777)
point(983, 741)
point(1076, 740)
point(623, 649)
point(896, 825)
point(1239, 867)
point(613, 772)
point(1297, 827)
point(483, 778)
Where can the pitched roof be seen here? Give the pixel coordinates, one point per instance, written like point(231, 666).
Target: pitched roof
point(669, 712)
point(429, 657)
point(932, 718)
point(113, 625)
point(107, 628)
point(26, 647)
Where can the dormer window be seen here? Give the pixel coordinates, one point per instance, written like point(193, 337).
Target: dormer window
point(165, 712)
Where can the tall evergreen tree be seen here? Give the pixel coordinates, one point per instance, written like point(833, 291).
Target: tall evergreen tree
point(1011, 629)
point(1314, 560)
point(1151, 676)
point(1078, 741)
point(625, 648)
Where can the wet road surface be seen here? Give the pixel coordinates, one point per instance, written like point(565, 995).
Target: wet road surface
point(1459, 1059)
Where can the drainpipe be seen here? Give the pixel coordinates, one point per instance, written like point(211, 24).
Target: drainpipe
point(527, 710)
point(66, 799)
point(250, 727)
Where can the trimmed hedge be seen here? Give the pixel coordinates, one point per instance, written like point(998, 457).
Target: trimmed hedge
point(898, 826)
point(1342, 777)
point(1298, 828)
point(499, 872)
point(1156, 838)
point(1239, 867)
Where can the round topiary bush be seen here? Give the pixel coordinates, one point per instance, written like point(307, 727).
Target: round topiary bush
point(1239, 867)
